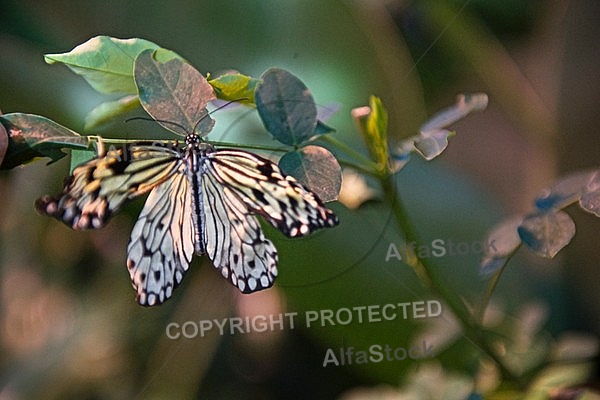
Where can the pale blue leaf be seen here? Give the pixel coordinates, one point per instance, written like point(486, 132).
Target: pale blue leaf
point(489, 265)
point(547, 233)
point(503, 239)
point(590, 200)
point(326, 112)
point(565, 191)
point(465, 104)
point(431, 144)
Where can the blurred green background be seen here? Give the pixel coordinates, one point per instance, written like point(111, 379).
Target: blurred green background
point(69, 325)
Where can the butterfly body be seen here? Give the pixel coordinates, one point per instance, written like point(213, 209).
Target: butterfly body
point(202, 200)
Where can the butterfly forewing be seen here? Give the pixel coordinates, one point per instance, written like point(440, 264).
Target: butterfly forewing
point(282, 201)
point(100, 187)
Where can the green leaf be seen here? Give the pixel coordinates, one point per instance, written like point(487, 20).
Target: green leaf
point(79, 157)
point(235, 87)
point(106, 63)
point(372, 122)
point(173, 91)
point(32, 136)
point(316, 168)
point(322, 129)
point(286, 107)
point(546, 234)
point(110, 110)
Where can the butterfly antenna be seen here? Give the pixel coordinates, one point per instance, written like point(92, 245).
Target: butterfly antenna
point(217, 109)
point(181, 126)
point(157, 120)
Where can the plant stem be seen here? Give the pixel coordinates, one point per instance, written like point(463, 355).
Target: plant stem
point(250, 146)
point(489, 289)
point(471, 329)
point(420, 266)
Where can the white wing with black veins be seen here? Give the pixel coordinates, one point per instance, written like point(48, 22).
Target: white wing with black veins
point(162, 242)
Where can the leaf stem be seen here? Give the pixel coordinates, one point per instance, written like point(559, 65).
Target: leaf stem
point(369, 167)
point(490, 288)
point(360, 168)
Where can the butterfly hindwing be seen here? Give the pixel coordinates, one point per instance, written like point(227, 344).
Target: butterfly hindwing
point(234, 240)
point(162, 241)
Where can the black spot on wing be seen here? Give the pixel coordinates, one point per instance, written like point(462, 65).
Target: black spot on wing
point(260, 196)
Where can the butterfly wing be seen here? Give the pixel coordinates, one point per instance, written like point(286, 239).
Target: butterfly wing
point(260, 184)
point(217, 218)
point(100, 187)
point(233, 238)
point(162, 241)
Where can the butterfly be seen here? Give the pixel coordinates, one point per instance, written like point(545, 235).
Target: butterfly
point(202, 200)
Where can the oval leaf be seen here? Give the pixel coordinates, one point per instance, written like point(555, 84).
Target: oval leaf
point(286, 107)
point(316, 168)
point(106, 63)
point(173, 91)
point(32, 136)
point(235, 87)
point(109, 110)
point(547, 233)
